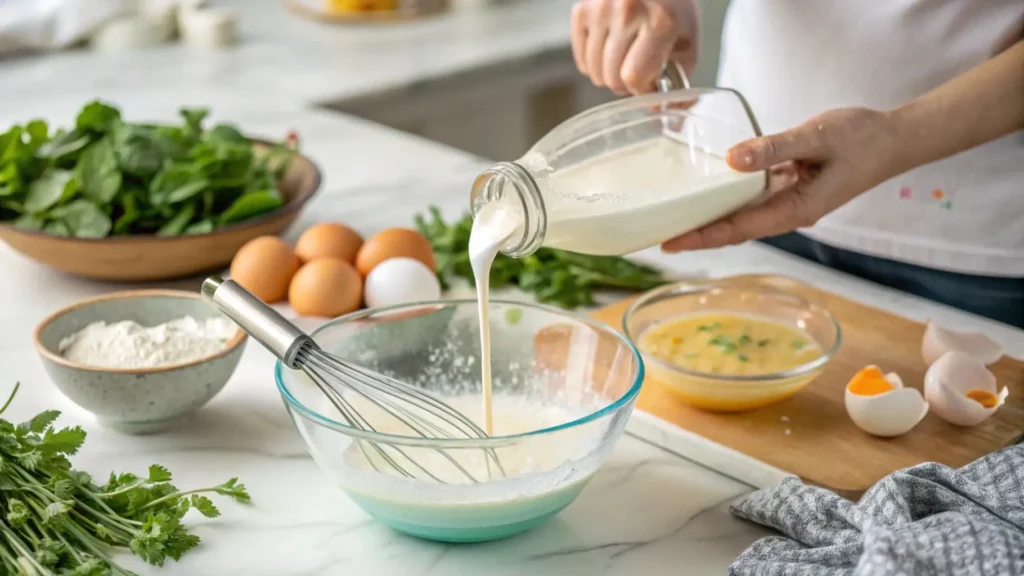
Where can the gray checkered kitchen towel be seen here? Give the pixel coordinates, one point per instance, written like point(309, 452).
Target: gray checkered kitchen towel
point(928, 520)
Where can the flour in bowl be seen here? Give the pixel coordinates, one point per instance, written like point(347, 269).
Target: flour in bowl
point(128, 344)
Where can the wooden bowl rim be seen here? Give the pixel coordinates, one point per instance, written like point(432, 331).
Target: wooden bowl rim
point(290, 207)
point(232, 344)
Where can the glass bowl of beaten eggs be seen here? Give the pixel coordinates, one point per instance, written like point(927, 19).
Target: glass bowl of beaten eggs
point(564, 386)
point(732, 344)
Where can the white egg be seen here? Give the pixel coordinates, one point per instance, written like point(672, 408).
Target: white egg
point(961, 390)
point(400, 281)
point(891, 413)
point(937, 341)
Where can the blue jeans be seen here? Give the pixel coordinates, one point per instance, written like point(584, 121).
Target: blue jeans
point(1000, 299)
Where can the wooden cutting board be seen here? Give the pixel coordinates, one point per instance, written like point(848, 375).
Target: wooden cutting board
point(823, 447)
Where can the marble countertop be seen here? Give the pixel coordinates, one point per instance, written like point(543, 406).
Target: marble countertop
point(647, 510)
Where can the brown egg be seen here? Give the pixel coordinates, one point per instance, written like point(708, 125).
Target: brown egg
point(328, 240)
point(327, 288)
point(265, 266)
point(394, 243)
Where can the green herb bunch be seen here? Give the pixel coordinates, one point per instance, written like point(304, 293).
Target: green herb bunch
point(57, 521)
point(106, 176)
point(557, 277)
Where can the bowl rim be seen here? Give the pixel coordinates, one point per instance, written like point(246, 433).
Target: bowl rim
point(291, 207)
point(689, 287)
point(488, 442)
point(231, 345)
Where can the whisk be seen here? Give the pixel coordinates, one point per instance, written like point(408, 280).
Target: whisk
point(337, 379)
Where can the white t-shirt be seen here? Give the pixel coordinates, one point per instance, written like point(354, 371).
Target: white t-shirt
point(793, 59)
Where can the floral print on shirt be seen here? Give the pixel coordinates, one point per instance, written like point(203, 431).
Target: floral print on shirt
point(936, 197)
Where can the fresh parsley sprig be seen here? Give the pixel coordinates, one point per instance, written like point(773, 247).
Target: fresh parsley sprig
point(557, 277)
point(56, 520)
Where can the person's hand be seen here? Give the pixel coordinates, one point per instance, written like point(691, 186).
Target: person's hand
point(622, 44)
point(813, 169)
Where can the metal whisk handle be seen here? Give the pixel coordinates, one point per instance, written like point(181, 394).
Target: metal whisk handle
point(261, 321)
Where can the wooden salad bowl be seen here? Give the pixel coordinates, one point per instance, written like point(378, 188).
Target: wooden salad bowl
point(141, 258)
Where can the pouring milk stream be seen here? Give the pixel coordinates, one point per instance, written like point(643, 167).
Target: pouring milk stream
point(612, 180)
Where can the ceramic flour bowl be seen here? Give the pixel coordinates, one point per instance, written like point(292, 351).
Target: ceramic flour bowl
point(570, 380)
point(137, 400)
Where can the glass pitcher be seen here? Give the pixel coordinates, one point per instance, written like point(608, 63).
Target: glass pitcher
point(628, 174)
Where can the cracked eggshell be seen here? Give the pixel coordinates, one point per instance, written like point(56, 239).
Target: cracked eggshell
point(889, 414)
point(937, 341)
point(950, 379)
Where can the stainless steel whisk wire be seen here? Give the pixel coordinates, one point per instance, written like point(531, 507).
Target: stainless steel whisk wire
point(298, 351)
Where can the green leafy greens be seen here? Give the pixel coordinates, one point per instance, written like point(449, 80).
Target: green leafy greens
point(557, 277)
point(106, 176)
point(56, 520)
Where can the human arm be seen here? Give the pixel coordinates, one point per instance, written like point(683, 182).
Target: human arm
point(622, 44)
point(832, 158)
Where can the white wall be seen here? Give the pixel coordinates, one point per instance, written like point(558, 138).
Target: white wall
point(712, 16)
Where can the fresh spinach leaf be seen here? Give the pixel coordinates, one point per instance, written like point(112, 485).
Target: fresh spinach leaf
point(38, 133)
point(226, 133)
point(249, 205)
point(97, 117)
point(47, 190)
point(177, 224)
point(63, 144)
point(208, 199)
point(14, 147)
point(201, 227)
point(98, 173)
point(194, 120)
point(57, 228)
point(83, 218)
point(138, 150)
point(176, 183)
point(129, 214)
point(29, 222)
point(10, 180)
point(71, 190)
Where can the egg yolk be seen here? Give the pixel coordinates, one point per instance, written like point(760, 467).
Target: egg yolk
point(983, 397)
point(869, 382)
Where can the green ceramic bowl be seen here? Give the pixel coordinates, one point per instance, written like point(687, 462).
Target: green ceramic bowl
point(137, 400)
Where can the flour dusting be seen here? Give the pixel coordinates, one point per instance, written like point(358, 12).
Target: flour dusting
point(128, 344)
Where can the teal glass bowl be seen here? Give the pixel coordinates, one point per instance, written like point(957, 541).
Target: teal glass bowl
point(576, 377)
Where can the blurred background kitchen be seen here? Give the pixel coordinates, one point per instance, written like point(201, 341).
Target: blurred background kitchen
point(515, 82)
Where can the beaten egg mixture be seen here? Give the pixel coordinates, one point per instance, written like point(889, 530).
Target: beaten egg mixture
point(729, 344)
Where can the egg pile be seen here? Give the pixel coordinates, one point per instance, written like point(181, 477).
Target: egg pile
point(958, 387)
point(332, 271)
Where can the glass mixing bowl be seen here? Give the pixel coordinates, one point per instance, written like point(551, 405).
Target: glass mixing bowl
point(773, 298)
point(564, 385)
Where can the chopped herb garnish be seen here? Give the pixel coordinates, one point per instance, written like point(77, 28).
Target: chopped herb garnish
point(513, 316)
point(799, 344)
point(743, 358)
point(708, 327)
point(745, 339)
point(763, 343)
point(724, 343)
